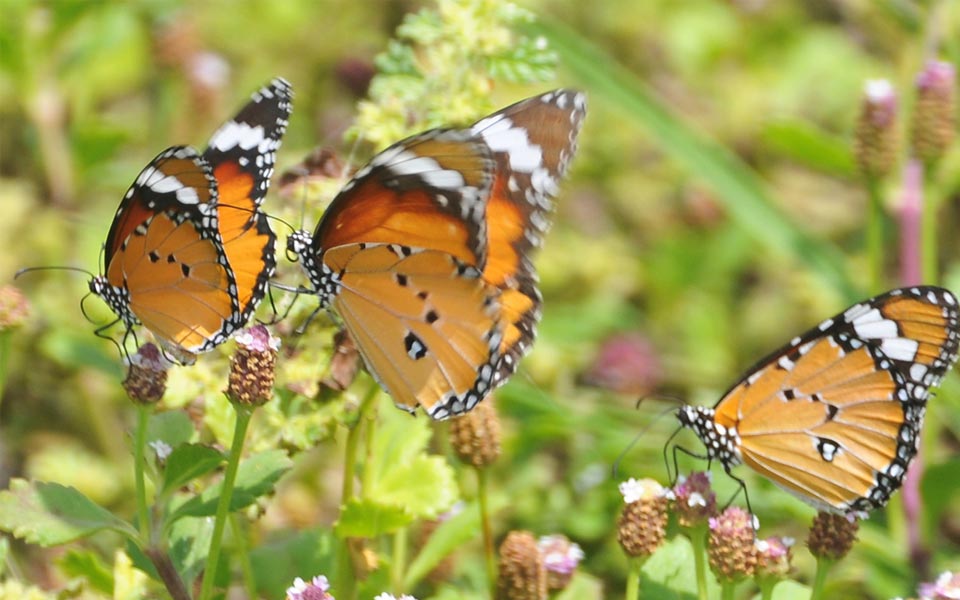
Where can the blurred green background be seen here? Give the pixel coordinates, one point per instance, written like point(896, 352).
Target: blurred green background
point(714, 211)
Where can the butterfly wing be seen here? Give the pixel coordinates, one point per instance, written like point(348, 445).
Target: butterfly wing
point(835, 415)
point(165, 264)
point(424, 322)
point(242, 154)
point(533, 142)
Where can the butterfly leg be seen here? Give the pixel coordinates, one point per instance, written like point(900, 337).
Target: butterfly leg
point(746, 496)
point(99, 332)
point(676, 464)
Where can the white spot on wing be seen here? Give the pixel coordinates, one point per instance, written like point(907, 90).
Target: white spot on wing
point(900, 348)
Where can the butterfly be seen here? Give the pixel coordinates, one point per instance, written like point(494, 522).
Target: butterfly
point(425, 253)
point(190, 252)
point(834, 416)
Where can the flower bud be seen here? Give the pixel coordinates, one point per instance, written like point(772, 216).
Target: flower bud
point(252, 367)
point(773, 557)
point(875, 141)
point(475, 436)
point(14, 307)
point(521, 574)
point(643, 521)
point(560, 558)
point(695, 501)
point(146, 379)
point(831, 535)
point(933, 113)
point(731, 551)
point(315, 590)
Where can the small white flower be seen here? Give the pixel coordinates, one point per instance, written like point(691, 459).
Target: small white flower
point(161, 449)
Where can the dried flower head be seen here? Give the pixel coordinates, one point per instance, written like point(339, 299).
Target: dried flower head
point(731, 551)
point(773, 557)
point(521, 575)
point(831, 535)
point(626, 363)
point(475, 436)
point(875, 141)
point(14, 307)
point(933, 115)
point(695, 501)
point(946, 587)
point(560, 558)
point(643, 522)
point(146, 379)
point(315, 590)
point(252, 367)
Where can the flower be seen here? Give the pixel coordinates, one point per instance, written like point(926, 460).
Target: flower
point(315, 590)
point(831, 535)
point(946, 587)
point(14, 307)
point(475, 436)
point(643, 522)
point(731, 551)
point(161, 449)
point(933, 113)
point(386, 596)
point(252, 367)
point(695, 501)
point(626, 363)
point(560, 558)
point(875, 141)
point(521, 573)
point(773, 557)
point(146, 380)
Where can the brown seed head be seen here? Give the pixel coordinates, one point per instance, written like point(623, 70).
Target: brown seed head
point(146, 379)
point(731, 551)
point(643, 521)
point(560, 558)
point(14, 307)
point(875, 141)
point(522, 575)
point(475, 436)
point(695, 501)
point(252, 367)
point(831, 535)
point(934, 113)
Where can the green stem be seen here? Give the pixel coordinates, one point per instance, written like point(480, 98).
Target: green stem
point(875, 225)
point(226, 493)
point(399, 564)
point(726, 590)
point(482, 493)
point(243, 553)
point(698, 537)
point(139, 466)
point(930, 203)
point(820, 578)
point(633, 577)
point(766, 584)
point(5, 340)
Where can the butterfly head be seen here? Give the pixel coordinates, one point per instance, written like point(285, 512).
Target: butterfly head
point(723, 443)
point(117, 298)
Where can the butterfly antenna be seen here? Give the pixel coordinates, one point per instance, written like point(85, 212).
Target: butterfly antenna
point(636, 438)
point(53, 268)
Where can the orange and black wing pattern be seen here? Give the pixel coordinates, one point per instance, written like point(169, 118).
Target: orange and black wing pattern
point(533, 143)
point(242, 154)
point(835, 416)
point(165, 265)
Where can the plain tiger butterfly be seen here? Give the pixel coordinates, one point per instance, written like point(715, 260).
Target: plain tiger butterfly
point(425, 253)
point(190, 252)
point(834, 416)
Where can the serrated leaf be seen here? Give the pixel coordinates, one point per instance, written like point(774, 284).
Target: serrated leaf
point(189, 544)
point(172, 427)
point(49, 514)
point(256, 477)
point(87, 565)
point(366, 518)
point(187, 462)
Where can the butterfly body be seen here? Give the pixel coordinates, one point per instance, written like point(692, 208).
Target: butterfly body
point(189, 252)
point(424, 253)
point(834, 417)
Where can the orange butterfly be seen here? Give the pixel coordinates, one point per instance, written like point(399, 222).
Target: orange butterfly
point(189, 252)
point(424, 254)
point(834, 416)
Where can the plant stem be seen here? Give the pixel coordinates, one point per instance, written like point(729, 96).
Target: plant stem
point(820, 578)
point(698, 537)
point(139, 466)
point(726, 590)
point(168, 574)
point(875, 228)
point(246, 567)
point(928, 229)
point(226, 493)
point(633, 578)
point(398, 566)
point(482, 493)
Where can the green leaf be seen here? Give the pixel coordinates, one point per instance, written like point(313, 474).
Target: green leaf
point(277, 562)
point(189, 544)
point(810, 146)
point(187, 462)
point(366, 518)
point(670, 573)
point(404, 474)
point(256, 477)
point(173, 428)
point(49, 514)
point(582, 587)
point(790, 590)
point(736, 185)
point(87, 565)
point(447, 537)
